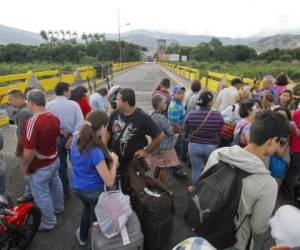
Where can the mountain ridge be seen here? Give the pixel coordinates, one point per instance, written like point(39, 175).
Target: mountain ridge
point(148, 38)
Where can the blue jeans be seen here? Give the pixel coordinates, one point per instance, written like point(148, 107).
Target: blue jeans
point(199, 154)
point(63, 158)
point(89, 200)
point(47, 191)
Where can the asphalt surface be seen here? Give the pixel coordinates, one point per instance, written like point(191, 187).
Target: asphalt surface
point(143, 79)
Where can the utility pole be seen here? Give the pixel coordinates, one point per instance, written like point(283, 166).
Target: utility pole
point(120, 49)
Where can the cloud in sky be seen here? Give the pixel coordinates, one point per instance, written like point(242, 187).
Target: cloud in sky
point(233, 18)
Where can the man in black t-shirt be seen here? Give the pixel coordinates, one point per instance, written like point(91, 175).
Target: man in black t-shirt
point(127, 130)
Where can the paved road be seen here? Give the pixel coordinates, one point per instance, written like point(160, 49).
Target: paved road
point(143, 79)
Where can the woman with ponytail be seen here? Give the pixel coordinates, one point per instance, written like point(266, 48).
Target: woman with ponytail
point(93, 166)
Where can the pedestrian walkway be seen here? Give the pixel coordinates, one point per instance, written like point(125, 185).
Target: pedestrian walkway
point(143, 79)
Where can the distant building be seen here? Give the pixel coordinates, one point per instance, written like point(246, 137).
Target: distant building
point(161, 48)
point(161, 45)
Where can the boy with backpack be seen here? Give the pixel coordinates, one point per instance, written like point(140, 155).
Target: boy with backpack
point(235, 196)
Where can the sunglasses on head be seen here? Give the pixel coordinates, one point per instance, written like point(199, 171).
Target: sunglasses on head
point(281, 141)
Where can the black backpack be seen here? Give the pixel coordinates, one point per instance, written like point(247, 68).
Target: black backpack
point(213, 204)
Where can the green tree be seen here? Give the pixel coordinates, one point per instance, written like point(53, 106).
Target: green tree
point(84, 37)
point(44, 35)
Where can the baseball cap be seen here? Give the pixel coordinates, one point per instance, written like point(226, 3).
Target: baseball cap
point(178, 88)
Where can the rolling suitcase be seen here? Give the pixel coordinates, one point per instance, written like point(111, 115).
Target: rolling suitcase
point(133, 240)
point(153, 204)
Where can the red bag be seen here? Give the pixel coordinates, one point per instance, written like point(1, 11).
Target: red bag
point(227, 131)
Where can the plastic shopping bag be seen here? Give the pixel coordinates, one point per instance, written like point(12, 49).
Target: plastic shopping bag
point(112, 211)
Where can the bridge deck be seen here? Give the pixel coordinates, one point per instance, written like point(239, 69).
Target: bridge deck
point(143, 79)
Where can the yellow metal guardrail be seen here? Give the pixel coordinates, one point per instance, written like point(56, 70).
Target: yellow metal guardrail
point(212, 79)
point(49, 79)
point(186, 72)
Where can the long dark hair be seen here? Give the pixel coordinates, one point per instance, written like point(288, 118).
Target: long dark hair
point(78, 93)
point(282, 79)
point(88, 138)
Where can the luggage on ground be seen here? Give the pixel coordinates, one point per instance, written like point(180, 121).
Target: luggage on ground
point(213, 205)
point(112, 211)
point(153, 204)
point(134, 240)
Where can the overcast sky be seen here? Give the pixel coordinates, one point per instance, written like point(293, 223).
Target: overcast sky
point(232, 18)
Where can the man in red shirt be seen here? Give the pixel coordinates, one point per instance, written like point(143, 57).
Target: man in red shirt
point(40, 159)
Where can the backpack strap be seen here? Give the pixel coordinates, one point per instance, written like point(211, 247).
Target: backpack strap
point(241, 129)
point(233, 108)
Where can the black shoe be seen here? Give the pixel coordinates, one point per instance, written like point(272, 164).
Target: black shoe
point(179, 173)
point(24, 199)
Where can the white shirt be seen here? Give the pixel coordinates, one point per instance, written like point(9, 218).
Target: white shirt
point(226, 97)
point(231, 114)
point(68, 112)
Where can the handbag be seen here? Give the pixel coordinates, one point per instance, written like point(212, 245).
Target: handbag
point(228, 128)
point(277, 166)
point(227, 131)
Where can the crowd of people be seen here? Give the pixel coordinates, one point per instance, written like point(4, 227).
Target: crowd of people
point(256, 130)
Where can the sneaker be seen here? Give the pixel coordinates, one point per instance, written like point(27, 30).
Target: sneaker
point(24, 199)
point(45, 227)
point(81, 242)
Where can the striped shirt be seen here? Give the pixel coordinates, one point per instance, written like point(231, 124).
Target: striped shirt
point(68, 113)
point(209, 133)
point(176, 112)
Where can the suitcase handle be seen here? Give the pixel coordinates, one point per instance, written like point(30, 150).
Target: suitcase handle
point(118, 180)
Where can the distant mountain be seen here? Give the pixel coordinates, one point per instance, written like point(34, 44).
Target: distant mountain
point(13, 35)
point(281, 41)
point(148, 38)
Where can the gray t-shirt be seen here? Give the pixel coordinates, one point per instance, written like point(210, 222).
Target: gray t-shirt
point(23, 114)
point(191, 102)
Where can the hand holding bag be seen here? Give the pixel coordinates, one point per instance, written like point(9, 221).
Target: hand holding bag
point(112, 211)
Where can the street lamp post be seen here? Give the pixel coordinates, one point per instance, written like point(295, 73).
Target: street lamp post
point(119, 29)
point(120, 49)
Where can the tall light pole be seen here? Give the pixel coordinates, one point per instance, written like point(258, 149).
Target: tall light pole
point(120, 49)
point(119, 29)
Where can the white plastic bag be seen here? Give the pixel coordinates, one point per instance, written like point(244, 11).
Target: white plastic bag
point(112, 211)
point(285, 226)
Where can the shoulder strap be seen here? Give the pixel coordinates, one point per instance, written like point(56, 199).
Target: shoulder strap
point(241, 129)
point(233, 108)
point(201, 125)
point(187, 101)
